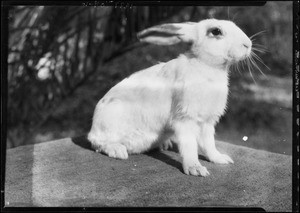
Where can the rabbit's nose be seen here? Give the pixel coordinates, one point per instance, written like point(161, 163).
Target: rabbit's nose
point(247, 44)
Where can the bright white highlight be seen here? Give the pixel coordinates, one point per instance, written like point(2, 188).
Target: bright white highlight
point(245, 138)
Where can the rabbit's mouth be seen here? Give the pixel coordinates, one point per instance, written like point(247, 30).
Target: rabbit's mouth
point(245, 57)
point(248, 61)
point(234, 60)
point(237, 55)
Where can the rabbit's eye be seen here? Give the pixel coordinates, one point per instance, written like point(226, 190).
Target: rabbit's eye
point(215, 32)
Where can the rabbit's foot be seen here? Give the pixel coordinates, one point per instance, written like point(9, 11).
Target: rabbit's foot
point(166, 145)
point(196, 170)
point(220, 158)
point(115, 150)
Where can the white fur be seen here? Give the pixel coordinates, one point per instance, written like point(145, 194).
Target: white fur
point(179, 101)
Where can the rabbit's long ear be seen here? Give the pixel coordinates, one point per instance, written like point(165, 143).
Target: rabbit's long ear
point(168, 34)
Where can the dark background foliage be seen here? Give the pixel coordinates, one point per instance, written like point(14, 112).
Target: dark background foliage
point(62, 60)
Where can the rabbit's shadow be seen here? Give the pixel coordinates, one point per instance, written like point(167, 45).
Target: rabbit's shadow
point(162, 156)
point(83, 142)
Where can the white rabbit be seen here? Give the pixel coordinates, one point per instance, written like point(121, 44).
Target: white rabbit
point(179, 101)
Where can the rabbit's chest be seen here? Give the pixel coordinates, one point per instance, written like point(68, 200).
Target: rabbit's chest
point(205, 100)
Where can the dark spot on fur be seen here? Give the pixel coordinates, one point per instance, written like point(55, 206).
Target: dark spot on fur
point(107, 100)
point(110, 100)
point(102, 127)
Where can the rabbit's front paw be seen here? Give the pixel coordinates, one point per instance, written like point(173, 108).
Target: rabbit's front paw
point(220, 158)
point(196, 170)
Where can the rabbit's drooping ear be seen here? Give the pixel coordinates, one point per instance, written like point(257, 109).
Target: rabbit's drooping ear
point(168, 34)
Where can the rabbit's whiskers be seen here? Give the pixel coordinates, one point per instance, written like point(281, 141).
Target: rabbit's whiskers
point(256, 34)
point(251, 62)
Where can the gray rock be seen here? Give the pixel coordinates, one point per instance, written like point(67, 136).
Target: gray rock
point(68, 173)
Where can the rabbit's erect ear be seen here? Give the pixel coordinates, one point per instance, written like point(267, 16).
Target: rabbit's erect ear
point(168, 34)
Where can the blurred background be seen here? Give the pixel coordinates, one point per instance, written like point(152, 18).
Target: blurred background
point(62, 60)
